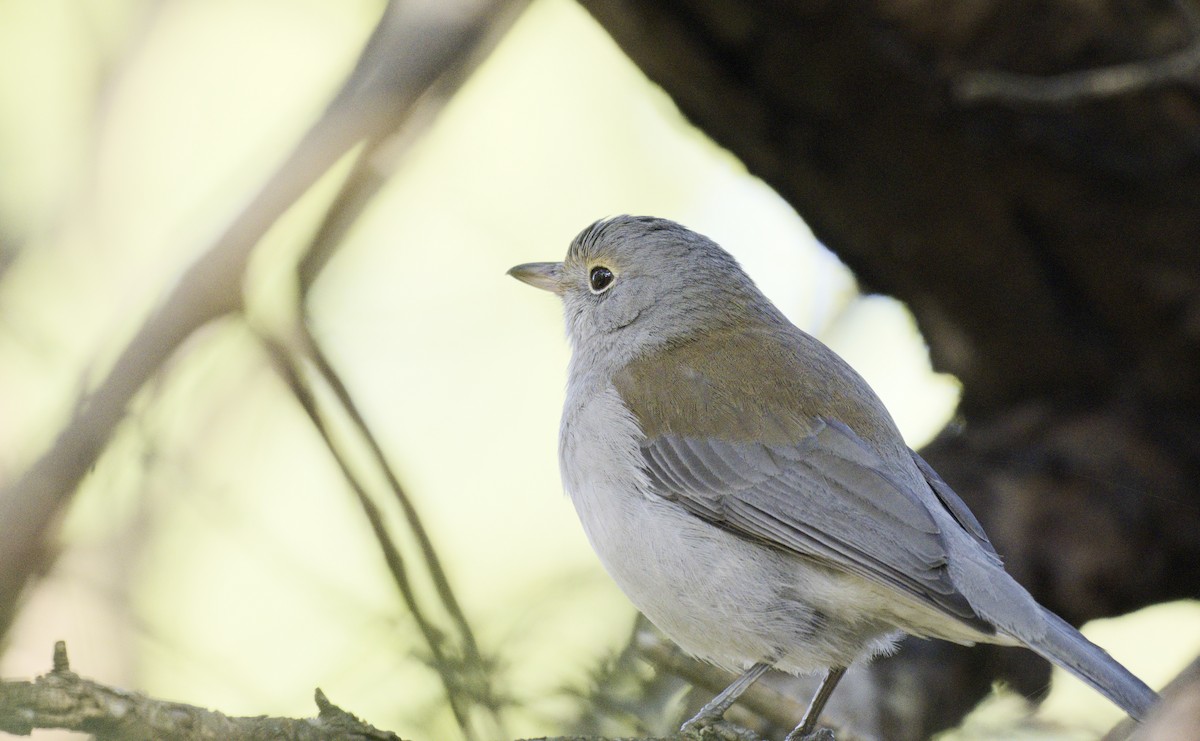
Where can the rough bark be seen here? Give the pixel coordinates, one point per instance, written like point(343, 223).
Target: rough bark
point(1048, 245)
point(63, 699)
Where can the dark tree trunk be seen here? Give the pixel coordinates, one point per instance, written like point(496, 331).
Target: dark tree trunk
point(1049, 250)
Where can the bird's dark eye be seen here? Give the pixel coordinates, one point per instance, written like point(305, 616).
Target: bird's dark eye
point(600, 279)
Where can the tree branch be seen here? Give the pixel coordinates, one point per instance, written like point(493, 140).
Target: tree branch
point(63, 699)
point(459, 664)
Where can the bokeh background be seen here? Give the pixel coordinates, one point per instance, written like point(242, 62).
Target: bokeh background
point(215, 555)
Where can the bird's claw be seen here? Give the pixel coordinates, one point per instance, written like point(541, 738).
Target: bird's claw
point(821, 734)
point(718, 729)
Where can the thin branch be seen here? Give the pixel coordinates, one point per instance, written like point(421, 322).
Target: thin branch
point(368, 175)
point(471, 39)
point(292, 374)
point(363, 183)
point(360, 186)
point(436, 571)
point(1105, 82)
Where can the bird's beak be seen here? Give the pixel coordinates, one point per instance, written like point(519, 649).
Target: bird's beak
point(544, 275)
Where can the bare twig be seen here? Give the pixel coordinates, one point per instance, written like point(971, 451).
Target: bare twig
point(63, 699)
point(429, 553)
point(465, 671)
point(1105, 82)
point(363, 183)
point(293, 375)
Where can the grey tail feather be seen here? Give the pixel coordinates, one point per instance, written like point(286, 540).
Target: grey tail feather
point(1066, 647)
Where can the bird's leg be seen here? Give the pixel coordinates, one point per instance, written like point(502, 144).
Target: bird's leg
point(715, 710)
point(804, 731)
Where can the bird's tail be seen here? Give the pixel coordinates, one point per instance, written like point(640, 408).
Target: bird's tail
point(1066, 647)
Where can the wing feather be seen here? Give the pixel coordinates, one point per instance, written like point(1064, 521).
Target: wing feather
point(956, 506)
point(827, 497)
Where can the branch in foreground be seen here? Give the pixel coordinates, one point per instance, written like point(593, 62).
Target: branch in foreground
point(450, 669)
point(63, 699)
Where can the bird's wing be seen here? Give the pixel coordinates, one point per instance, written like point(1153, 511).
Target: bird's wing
point(826, 496)
point(956, 507)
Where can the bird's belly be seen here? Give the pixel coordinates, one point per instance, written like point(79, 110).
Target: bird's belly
point(721, 597)
point(730, 601)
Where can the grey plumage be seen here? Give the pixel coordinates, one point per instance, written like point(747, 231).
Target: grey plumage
point(746, 488)
point(827, 497)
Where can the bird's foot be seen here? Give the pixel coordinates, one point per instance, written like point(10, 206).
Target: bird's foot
point(718, 729)
point(820, 734)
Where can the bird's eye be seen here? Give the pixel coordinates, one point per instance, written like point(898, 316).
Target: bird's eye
point(600, 279)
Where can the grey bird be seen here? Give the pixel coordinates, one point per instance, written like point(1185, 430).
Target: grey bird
point(749, 492)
